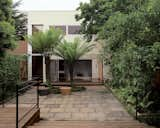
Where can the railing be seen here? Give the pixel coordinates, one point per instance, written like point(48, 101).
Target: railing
point(147, 117)
point(2, 98)
point(25, 98)
point(136, 114)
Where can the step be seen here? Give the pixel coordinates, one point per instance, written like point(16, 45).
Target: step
point(7, 126)
point(8, 117)
point(74, 123)
point(89, 124)
point(98, 125)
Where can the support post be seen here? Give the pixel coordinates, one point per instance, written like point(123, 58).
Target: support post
point(3, 96)
point(17, 106)
point(44, 69)
point(136, 106)
point(29, 66)
point(38, 93)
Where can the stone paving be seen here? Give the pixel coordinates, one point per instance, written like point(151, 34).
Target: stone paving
point(96, 103)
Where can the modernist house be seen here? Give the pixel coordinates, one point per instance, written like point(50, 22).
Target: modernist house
point(88, 68)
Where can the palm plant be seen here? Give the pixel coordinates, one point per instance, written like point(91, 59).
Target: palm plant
point(71, 52)
point(44, 43)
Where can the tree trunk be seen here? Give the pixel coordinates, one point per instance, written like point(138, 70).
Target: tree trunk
point(71, 70)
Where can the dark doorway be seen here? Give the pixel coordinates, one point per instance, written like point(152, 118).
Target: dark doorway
point(83, 70)
point(62, 76)
point(37, 66)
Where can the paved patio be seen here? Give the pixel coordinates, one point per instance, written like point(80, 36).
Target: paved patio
point(96, 103)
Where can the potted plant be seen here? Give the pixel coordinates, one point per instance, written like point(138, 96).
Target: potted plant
point(65, 90)
point(52, 89)
point(43, 90)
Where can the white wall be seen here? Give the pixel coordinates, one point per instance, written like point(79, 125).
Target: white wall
point(50, 18)
point(53, 17)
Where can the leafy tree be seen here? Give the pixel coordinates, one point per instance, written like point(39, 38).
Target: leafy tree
point(94, 14)
point(44, 43)
point(130, 40)
point(71, 52)
point(6, 26)
point(20, 21)
point(130, 32)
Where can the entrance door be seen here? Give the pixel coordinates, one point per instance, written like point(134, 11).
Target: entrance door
point(54, 69)
point(37, 67)
point(83, 70)
point(62, 76)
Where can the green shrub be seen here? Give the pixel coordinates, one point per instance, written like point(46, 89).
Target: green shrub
point(9, 74)
point(132, 50)
point(151, 119)
point(127, 95)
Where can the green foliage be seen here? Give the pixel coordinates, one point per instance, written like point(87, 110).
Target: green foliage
point(145, 104)
point(130, 31)
point(92, 16)
point(6, 26)
point(6, 11)
point(6, 37)
point(151, 119)
point(127, 95)
point(9, 74)
point(52, 89)
point(44, 42)
point(95, 14)
point(78, 88)
point(133, 43)
point(71, 52)
point(56, 89)
point(20, 21)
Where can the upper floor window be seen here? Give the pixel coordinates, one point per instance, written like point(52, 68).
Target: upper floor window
point(74, 29)
point(61, 27)
point(37, 28)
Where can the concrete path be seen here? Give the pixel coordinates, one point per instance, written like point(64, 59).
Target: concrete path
point(94, 104)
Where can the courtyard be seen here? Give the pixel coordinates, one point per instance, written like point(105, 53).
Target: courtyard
point(96, 103)
point(113, 44)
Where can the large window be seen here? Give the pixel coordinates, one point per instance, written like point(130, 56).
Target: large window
point(37, 28)
point(61, 27)
point(73, 29)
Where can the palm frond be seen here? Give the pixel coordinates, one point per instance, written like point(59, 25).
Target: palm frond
point(72, 51)
point(45, 42)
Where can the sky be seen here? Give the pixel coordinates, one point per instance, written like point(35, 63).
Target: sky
point(49, 4)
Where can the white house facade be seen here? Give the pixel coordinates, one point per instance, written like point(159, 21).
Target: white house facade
point(88, 68)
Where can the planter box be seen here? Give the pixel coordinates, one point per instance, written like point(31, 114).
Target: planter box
point(65, 90)
point(43, 91)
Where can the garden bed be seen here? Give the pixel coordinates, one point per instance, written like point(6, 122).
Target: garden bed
point(149, 118)
point(46, 89)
